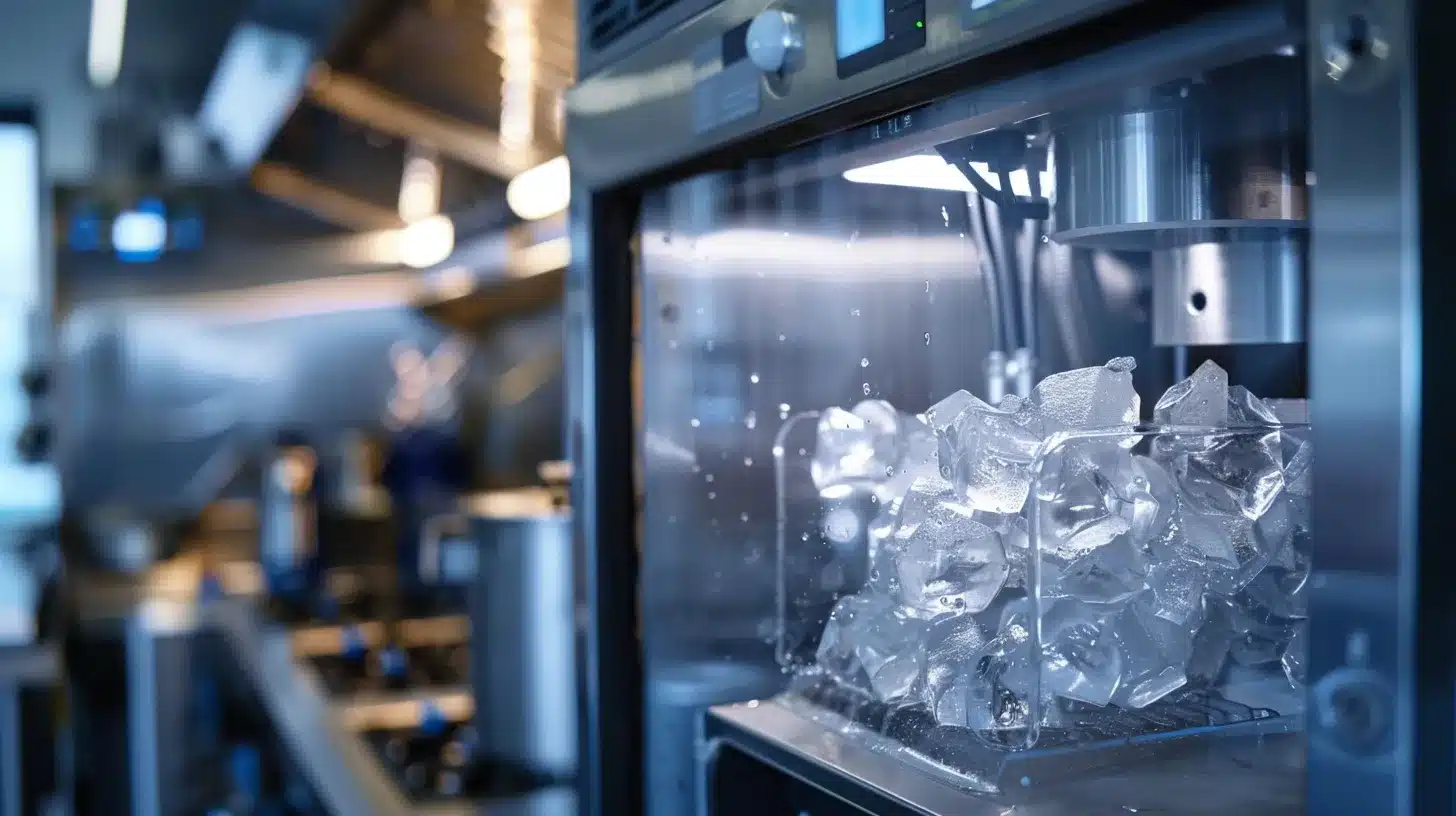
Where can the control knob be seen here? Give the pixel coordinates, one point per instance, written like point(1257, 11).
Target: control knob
point(776, 42)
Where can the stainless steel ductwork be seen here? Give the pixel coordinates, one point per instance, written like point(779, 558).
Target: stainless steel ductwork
point(1209, 177)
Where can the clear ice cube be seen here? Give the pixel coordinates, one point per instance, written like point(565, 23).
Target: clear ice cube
point(1246, 410)
point(1178, 587)
point(1154, 657)
point(986, 452)
point(997, 685)
point(1086, 398)
point(946, 560)
point(1241, 474)
point(1202, 400)
point(856, 447)
point(1074, 517)
point(951, 641)
point(1109, 574)
point(1081, 659)
point(871, 644)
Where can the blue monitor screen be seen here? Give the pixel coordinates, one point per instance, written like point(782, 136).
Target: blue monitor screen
point(860, 25)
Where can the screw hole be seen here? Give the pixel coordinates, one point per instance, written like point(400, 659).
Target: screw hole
point(1197, 302)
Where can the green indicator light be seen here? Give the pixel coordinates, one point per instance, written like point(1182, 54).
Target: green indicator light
point(920, 24)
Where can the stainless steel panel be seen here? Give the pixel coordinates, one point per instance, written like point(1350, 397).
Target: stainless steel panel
point(652, 89)
point(1365, 375)
point(1223, 293)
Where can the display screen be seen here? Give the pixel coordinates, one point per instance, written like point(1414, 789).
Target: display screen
point(860, 25)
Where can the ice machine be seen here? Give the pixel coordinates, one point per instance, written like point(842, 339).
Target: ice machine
point(1001, 406)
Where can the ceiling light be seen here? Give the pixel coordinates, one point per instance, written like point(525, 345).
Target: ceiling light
point(929, 171)
point(426, 242)
point(108, 34)
point(541, 191)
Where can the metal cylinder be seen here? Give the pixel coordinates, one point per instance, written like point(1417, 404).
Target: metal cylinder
point(1209, 176)
point(522, 641)
point(1229, 293)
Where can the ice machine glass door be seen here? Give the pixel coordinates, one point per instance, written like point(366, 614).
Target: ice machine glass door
point(978, 437)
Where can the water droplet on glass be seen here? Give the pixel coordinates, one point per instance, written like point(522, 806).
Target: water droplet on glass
point(864, 362)
point(783, 414)
point(784, 407)
point(748, 461)
point(945, 214)
point(782, 338)
point(708, 478)
point(866, 389)
point(927, 338)
point(804, 537)
point(751, 421)
point(743, 517)
point(778, 451)
point(854, 312)
point(753, 378)
point(712, 495)
point(695, 423)
point(709, 345)
point(802, 451)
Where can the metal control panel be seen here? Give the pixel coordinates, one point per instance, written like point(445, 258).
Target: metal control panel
point(870, 32)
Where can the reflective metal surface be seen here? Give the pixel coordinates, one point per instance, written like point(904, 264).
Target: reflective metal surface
point(1367, 368)
point(522, 642)
point(1225, 293)
point(820, 753)
point(1197, 159)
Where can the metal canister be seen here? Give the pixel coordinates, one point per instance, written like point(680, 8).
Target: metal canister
point(523, 638)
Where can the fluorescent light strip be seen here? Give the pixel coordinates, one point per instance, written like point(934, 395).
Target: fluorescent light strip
point(108, 35)
point(929, 171)
point(542, 191)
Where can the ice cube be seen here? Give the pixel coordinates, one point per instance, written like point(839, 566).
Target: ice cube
point(1210, 651)
point(1202, 400)
point(945, 560)
point(1295, 656)
point(985, 451)
point(1074, 517)
point(918, 458)
point(1247, 410)
point(855, 447)
point(1017, 546)
point(950, 643)
point(1109, 574)
point(1086, 398)
point(1178, 587)
point(1297, 472)
point(1080, 655)
point(871, 644)
point(999, 680)
point(1154, 654)
point(1239, 474)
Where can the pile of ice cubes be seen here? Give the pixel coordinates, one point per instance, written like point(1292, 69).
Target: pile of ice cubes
point(1159, 571)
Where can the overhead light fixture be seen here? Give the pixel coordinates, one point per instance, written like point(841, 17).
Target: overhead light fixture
point(108, 35)
point(542, 191)
point(256, 83)
point(426, 242)
point(929, 171)
point(419, 188)
point(518, 73)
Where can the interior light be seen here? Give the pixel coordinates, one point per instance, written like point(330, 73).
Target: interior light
point(108, 34)
point(427, 242)
point(929, 171)
point(541, 191)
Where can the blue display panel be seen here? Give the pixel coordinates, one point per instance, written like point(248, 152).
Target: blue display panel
point(859, 25)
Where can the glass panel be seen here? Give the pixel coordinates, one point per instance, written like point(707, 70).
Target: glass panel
point(922, 444)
